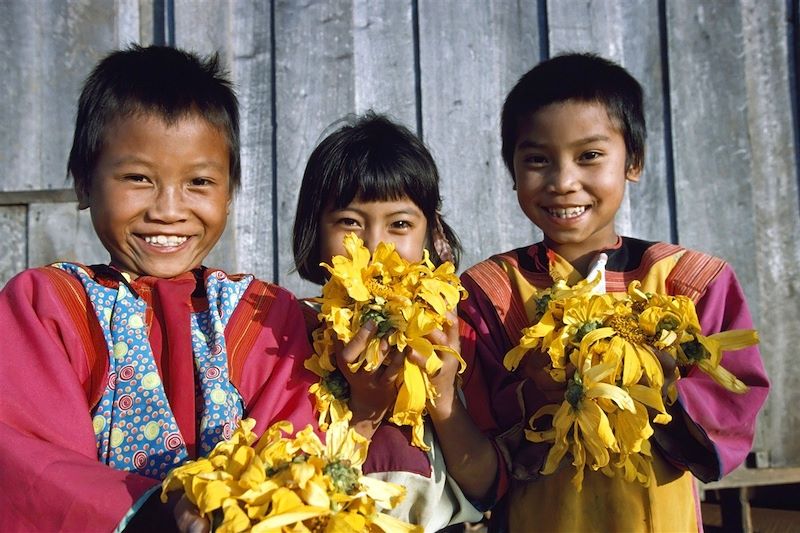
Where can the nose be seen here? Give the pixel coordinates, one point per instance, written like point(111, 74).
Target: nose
point(372, 236)
point(563, 178)
point(169, 205)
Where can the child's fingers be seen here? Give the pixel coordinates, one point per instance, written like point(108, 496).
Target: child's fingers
point(358, 343)
point(392, 370)
point(188, 518)
point(416, 358)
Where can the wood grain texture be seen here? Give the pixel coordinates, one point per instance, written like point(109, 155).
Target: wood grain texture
point(46, 49)
point(254, 213)
point(59, 232)
point(13, 224)
point(321, 51)
point(626, 32)
point(470, 57)
point(239, 33)
point(712, 151)
point(314, 88)
point(383, 59)
point(777, 224)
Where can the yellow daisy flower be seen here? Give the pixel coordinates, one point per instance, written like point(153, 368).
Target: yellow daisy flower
point(289, 484)
point(407, 301)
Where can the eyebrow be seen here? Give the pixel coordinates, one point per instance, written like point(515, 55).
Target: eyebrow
point(528, 143)
point(135, 160)
point(393, 213)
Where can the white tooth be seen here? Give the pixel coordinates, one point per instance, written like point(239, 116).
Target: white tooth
point(568, 212)
point(162, 239)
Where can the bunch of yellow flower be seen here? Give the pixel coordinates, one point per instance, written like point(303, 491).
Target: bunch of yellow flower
point(612, 343)
point(284, 484)
point(407, 301)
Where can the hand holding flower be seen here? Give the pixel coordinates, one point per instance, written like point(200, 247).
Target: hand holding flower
point(372, 392)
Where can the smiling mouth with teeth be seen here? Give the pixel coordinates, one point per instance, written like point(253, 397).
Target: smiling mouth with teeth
point(165, 240)
point(568, 212)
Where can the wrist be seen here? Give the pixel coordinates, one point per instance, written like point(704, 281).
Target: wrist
point(365, 420)
point(444, 406)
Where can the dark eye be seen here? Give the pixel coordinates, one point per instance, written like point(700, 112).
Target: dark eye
point(535, 160)
point(349, 222)
point(136, 178)
point(201, 182)
point(401, 224)
point(590, 155)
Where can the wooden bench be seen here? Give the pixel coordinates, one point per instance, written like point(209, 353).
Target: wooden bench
point(735, 495)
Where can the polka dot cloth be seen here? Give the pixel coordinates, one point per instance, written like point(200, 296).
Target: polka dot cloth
point(133, 422)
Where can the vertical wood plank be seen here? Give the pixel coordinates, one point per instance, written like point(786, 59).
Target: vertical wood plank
point(203, 26)
point(59, 232)
point(254, 215)
point(46, 50)
point(471, 54)
point(777, 224)
point(712, 152)
point(626, 32)
point(314, 87)
point(12, 227)
point(383, 59)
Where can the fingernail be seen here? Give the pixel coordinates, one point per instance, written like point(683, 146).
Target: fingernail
point(370, 325)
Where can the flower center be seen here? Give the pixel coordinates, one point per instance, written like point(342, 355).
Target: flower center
point(574, 393)
point(344, 476)
point(627, 328)
point(377, 288)
point(337, 385)
point(694, 351)
point(586, 328)
point(541, 305)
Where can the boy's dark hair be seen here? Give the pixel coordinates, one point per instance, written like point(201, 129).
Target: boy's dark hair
point(583, 78)
point(372, 159)
point(159, 80)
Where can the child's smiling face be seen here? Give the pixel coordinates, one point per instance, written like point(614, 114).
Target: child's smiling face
point(401, 222)
point(569, 165)
point(160, 193)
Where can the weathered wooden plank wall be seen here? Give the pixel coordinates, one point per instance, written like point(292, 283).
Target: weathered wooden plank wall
point(720, 78)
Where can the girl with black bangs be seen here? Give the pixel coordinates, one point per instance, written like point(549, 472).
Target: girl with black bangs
point(376, 179)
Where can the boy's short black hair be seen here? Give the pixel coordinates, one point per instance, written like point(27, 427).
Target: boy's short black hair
point(159, 80)
point(584, 78)
point(372, 159)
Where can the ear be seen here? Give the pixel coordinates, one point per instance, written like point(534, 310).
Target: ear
point(83, 197)
point(633, 173)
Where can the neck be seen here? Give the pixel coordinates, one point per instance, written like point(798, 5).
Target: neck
point(577, 255)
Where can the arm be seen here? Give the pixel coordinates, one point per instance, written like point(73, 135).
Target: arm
point(273, 381)
point(51, 478)
point(712, 429)
point(471, 458)
point(372, 393)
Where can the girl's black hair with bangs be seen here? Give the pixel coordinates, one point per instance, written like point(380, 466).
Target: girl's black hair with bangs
point(370, 159)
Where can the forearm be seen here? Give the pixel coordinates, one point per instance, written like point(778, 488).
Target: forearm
point(470, 457)
point(365, 421)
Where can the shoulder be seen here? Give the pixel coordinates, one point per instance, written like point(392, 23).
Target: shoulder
point(683, 270)
point(257, 288)
point(694, 272)
point(40, 277)
point(491, 267)
point(265, 300)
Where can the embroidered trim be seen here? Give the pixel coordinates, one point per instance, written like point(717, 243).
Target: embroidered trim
point(245, 324)
point(693, 273)
point(74, 299)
